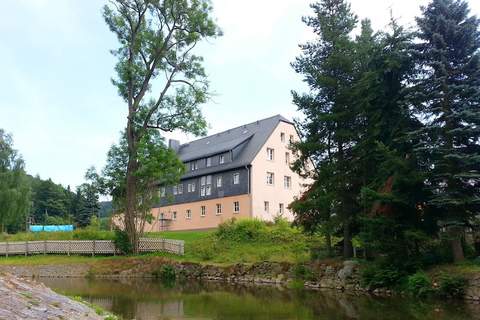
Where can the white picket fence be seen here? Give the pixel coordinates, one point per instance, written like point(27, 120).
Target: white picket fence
point(91, 247)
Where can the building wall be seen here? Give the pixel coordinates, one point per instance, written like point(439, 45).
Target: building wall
point(211, 219)
point(276, 193)
point(227, 189)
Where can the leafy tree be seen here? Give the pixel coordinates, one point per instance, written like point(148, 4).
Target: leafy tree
point(14, 185)
point(156, 42)
point(447, 95)
point(158, 165)
point(328, 69)
point(49, 199)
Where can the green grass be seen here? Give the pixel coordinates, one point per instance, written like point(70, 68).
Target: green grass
point(247, 241)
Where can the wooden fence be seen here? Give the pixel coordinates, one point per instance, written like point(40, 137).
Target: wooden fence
point(91, 247)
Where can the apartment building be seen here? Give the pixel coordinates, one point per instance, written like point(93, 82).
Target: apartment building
point(242, 172)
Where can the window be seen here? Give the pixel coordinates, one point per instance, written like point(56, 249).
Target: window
point(180, 188)
point(203, 211)
point(236, 178)
point(162, 216)
point(191, 187)
point(291, 139)
point(287, 158)
point(287, 182)
point(270, 154)
point(162, 192)
point(193, 165)
point(270, 178)
point(282, 136)
point(221, 159)
point(205, 186)
point(280, 208)
point(219, 181)
point(236, 207)
point(175, 190)
point(266, 206)
point(219, 208)
point(189, 214)
point(209, 162)
point(174, 215)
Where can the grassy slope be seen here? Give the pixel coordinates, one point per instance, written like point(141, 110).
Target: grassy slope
point(200, 246)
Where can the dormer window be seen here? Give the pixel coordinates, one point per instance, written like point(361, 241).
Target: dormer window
point(221, 159)
point(270, 154)
point(282, 137)
point(209, 162)
point(291, 139)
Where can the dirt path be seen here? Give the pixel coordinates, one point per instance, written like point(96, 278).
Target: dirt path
point(26, 299)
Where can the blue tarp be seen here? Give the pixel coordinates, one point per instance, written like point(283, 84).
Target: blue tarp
point(67, 227)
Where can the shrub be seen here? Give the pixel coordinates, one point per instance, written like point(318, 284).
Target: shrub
point(381, 276)
point(122, 242)
point(302, 272)
point(246, 230)
point(451, 285)
point(205, 250)
point(419, 285)
point(166, 273)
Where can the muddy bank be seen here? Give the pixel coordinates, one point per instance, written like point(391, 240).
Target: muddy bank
point(27, 299)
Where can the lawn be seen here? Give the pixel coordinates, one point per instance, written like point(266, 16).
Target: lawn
point(247, 241)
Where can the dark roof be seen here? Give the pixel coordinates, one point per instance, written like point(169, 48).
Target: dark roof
point(252, 135)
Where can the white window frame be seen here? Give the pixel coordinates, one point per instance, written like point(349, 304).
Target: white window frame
point(290, 139)
point(282, 137)
point(188, 214)
point(175, 190)
point(191, 187)
point(236, 207)
point(236, 178)
point(219, 181)
point(221, 159)
point(203, 211)
point(270, 178)
point(287, 182)
point(161, 216)
point(163, 191)
point(208, 162)
point(270, 154)
point(206, 186)
point(180, 188)
point(281, 208)
point(219, 209)
point(266, 206)
point(287, 158)
point(174, 215)
point(193, 165)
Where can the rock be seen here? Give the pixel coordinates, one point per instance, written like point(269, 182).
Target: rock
point(23, 299)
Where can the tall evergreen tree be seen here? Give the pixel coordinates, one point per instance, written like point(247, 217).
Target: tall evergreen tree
point(447, 94)
point(327, 66)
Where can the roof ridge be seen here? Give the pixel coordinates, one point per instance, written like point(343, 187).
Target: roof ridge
point(237, 127)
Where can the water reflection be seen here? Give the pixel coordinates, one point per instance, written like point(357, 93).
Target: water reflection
point(149, 299)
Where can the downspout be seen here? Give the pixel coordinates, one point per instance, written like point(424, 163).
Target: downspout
point(249, 190)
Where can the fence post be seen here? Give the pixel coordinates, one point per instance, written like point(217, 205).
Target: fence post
point(44, 247)
point(26, 248)
point(7, 249)
point(69, 247)
point(93, 252)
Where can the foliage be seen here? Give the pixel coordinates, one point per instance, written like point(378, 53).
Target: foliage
point(419, 284)
point(122, 242)
point(14, 186)
point(381, 275)
point(166, 273)
point(451, 285)
point(445, 92)
point(156, 39)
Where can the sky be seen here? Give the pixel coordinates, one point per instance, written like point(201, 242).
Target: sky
point(57, 100)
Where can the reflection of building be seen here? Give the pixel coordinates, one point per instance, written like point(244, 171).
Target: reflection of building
point(241, 172)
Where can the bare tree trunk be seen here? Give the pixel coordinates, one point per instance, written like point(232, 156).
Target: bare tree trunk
point(328, 240)
point(347, 241)
point(131, 190)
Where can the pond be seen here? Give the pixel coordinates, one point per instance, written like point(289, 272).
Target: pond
point(150, 299)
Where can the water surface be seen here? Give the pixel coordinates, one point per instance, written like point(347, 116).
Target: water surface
point(150, 299)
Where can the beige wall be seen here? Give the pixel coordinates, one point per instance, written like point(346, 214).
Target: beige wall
point(211, 219)
point(276, 193)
